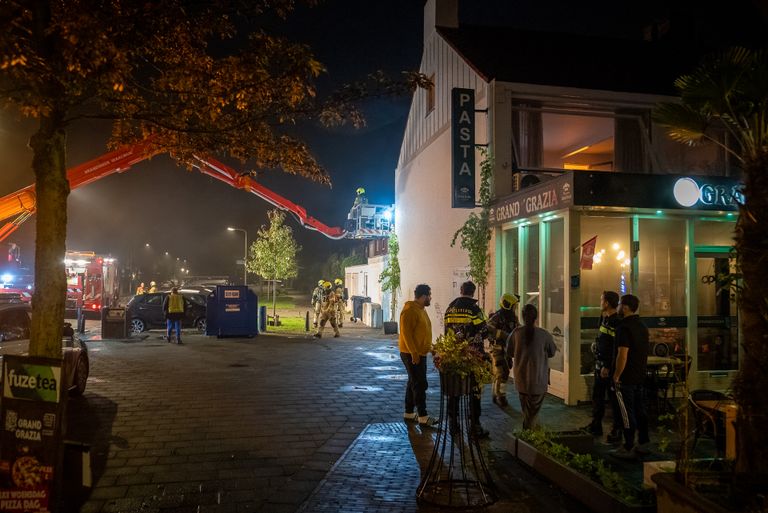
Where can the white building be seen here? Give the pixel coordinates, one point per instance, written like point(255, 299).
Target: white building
point(577, 129)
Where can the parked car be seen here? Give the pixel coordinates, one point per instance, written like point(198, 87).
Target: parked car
point(14, 339)
point(145, 311)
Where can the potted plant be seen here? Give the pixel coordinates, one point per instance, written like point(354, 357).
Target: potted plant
point(390, 282)
point(460, 362)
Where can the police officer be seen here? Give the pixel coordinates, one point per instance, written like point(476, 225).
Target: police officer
point(503, 322)
point(317, 300)
point(465, 317)
point(604, 351)
point(328, 311)
point(339, 291)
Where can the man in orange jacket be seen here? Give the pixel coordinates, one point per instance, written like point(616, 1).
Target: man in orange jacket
point(415, 341)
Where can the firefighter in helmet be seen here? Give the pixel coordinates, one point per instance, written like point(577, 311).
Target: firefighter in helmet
point(503, 321)
point(152, 287)
point(317, 300)
point(338, 289)
point(140, 289)
point(328, 311)
point(360, 197)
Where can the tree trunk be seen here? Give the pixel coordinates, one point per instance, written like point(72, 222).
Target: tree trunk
point(52, 188)
point(751, 383)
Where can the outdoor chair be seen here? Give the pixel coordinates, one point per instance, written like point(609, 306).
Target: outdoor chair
point(708, 422)
point(679, 374)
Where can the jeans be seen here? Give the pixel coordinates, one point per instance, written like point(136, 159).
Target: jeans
point(416, 388)
point(174, 324)
point(631, 400)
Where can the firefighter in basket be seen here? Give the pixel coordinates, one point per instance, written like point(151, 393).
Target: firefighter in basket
point(317, 300)
point(340, 310)
point(503, 321)
point(328, 311)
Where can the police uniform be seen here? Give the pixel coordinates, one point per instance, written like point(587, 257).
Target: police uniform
point(604, 351)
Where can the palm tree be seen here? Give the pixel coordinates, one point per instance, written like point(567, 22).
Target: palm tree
point(728, 94)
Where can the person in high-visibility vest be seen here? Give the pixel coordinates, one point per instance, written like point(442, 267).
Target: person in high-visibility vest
point(173, 306)
point(328, 311)
point(339, 291)
point(152, 287)
point(317, 300)
point(504, 321)
point(140, 289)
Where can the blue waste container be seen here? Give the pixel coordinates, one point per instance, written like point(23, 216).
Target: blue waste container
point(233, 311)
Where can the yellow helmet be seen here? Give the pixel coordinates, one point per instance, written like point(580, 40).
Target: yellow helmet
point(327, 284)
point(152, 283)
point(360, 191)
point(320, 283)
point(338, 281)
point(507, 301)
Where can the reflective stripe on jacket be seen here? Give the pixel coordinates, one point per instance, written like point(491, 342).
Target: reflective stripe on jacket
point(175, 303)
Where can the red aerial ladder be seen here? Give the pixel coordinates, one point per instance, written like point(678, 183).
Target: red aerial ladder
point(20, 205)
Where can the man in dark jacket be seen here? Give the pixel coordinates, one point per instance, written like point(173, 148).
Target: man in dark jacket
point(465, 318)
point(604, 350)
point(629, 377)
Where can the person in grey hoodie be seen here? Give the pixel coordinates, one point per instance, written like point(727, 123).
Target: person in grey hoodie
point(531, 347)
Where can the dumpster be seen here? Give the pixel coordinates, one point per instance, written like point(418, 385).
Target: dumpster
point(232, 311)
point(357, 306)
point(114, 323)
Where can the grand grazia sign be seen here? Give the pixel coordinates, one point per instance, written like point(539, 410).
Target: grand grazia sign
point(31, 419)
point(463, 148)
point(688, 193)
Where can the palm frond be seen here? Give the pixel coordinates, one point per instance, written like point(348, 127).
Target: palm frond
point(683, 123)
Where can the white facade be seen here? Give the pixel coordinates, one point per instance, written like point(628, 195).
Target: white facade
point(425, 221)
point(363, 280)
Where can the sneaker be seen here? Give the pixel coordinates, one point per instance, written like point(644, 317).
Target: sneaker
point(623, 453)
point(317, 335)
point(429, 422)
point(614, 436)
point(479, 431)
point(411, 417)
point(643, 449)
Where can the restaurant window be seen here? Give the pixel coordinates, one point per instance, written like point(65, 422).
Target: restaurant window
point(662, 283)
point(717, 341)
point(714, 233)
point(553, 300)
point(510, 270)
point(610, 271)
point(531, 278)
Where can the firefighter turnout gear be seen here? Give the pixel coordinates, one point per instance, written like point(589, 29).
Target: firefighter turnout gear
point(318, 294)
point(140, 289)
point(152, 287)
point(502, 323)
point(340, 310)
point(328, 313)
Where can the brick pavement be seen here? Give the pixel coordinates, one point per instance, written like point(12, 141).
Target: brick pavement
point(246, 425)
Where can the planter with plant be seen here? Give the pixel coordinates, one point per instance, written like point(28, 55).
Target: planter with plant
point(460, 359)
point(583, 476)
point(390, 282)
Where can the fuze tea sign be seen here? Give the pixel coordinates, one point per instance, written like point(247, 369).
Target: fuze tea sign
point(463, 148)
point(31, 419)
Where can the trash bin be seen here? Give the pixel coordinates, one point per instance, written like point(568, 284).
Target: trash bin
point(114, 323)
point(233, 311)
point(263, 318)
point(357, 307)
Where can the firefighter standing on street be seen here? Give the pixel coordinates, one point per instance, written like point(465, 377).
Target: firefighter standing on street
point(465, 317)
point(504, 322)
point(339, 291)
point(152, 287)
point(140, 289)
point(317, 300)
point(328, 311)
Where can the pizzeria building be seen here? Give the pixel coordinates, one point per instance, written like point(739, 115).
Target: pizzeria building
point(588, 192)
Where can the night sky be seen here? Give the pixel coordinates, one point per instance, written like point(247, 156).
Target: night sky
point(186, 213)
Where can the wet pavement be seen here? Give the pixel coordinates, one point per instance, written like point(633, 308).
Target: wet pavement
point(273, 424)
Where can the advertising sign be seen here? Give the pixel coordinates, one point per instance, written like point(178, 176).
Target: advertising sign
point(31, 419)
point(547, 196)
point(463, 148)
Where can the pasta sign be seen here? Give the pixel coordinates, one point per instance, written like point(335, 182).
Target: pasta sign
point(463, 148)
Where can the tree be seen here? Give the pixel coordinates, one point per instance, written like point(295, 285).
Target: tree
point(390, 276)
point(173, 72)
point(475, 233)
point(273, 255)
point(728, 93)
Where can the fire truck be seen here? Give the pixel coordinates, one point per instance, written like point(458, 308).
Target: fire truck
point(92, 281)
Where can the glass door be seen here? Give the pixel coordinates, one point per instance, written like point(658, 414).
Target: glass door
point(717, 322)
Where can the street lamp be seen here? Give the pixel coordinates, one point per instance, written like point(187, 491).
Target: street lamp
point(245, 254)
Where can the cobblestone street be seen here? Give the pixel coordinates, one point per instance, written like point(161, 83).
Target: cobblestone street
point(239, 425)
